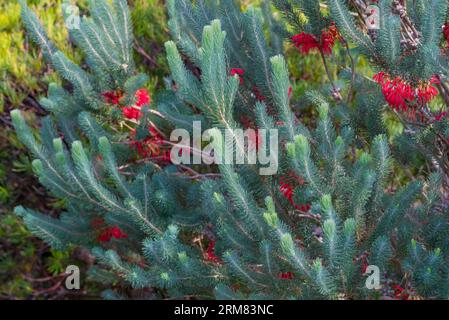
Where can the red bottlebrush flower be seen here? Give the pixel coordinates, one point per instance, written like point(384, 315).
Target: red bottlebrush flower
point(327, 42)
point(132, 113)
point(435, 79)
point(290, 91)
point(379, 77)
point(117, 233)
point(399, 292)
point(440, 116)
point(112, 97)
point(307, 42)
point(333, 31)
point(364, 265)
point(399, 93)
point(287, 189)
point(151, 145)
point(210, 253)
point(239, 72)
point(286, 275)
point(113, 232)
point(142, 97)
point(446, 32)
point(426, 93)
point(104, 237)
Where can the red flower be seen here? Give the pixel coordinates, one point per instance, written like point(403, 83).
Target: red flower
point(307, 42)
point(304, 208)
point(104, 237)
point(117, 233)
point(399, 292)
point(441, 115)
point(133, 112)
point(290, 91)
point(112, 97)
point(426, 94)
point(142, 97)
point(113, 232)
point(399, 93)
point(239, 72)
point(333, 31)
point(446, 32)
point(327, 42)
point(287, 190)
point(286, 275)
point(435, 79)
point(380, 77)
point(151, 145)
point(210, 253)
point(364, 264)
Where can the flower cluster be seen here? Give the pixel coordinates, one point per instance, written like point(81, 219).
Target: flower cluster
point(113, 232)
point(239, 72)
point(134, 112)
point(286, 275)
point(152, 146)
point(130, 112)
point(210, 253)
point(441, 115)
point(400, 293)
point(399, 94)
point(107, 233)
point(446, 33)
point(113, 97)
point(287, 190)
point(306, 42)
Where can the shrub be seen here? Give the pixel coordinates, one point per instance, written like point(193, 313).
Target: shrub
point(225, 231)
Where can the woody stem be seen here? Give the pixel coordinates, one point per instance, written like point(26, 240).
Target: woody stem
point(335, 91)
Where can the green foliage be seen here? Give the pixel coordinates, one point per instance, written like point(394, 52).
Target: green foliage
point(24, 78)
point(238, 234)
